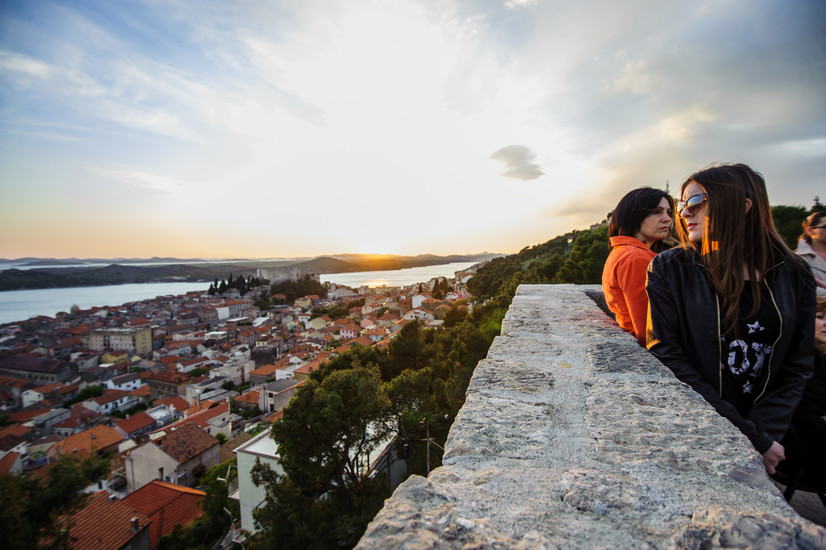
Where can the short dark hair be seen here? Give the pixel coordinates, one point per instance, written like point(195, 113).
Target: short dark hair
point(632, 210)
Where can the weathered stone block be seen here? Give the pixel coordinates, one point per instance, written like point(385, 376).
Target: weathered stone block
point(572, 436)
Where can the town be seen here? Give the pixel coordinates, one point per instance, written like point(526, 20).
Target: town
point(172, 386)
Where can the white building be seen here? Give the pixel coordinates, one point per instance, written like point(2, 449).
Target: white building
point(250, 496)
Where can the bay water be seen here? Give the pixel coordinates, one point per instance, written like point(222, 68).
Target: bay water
point(19, 305)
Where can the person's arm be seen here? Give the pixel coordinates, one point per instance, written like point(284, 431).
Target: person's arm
point(665, 339)
point(773, 457)
point(631, 277)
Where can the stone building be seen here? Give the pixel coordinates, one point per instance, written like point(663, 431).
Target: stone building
point(40, 370)
point(134, 340)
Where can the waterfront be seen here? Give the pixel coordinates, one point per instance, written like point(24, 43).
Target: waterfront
point(395, 277)
point(19, 305)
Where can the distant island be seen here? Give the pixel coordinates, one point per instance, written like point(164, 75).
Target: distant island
point(68, 273)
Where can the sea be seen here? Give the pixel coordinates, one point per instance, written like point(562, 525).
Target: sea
point(19, 305)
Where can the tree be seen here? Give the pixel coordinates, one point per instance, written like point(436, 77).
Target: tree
point(345, 414)
point(86, 393)
point(788, 220)
point(326, 497)
point(32, 506)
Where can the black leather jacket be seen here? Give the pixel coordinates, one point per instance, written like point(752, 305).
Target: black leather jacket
point(683, 331)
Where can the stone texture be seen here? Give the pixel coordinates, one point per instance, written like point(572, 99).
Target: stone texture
point(572, 436)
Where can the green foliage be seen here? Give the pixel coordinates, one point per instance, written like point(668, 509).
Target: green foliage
point(241, 284)
point(198, 371)
point(296, 289)
point(327, 497)
point(32, 506)
point(587, 257)
point(577, 257)
point(334, 312)
point(130, 411)
point(789, 223)
point(358, 355)
point(86, 393)
point(337, 412)
point(440, 289)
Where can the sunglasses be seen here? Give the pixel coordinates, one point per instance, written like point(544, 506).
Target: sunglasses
point(694, 203)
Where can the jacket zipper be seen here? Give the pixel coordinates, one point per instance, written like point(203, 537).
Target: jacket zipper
point(779, 335)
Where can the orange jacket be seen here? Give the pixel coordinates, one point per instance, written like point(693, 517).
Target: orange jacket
point(623, 283)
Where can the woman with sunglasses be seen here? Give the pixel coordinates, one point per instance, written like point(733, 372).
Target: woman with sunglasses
point(732, 310)
point(812, 248)
point(639, 223)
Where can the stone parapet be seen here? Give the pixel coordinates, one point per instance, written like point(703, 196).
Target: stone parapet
point(573, 436)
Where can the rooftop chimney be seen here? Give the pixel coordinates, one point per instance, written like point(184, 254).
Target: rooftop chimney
point(135, 525)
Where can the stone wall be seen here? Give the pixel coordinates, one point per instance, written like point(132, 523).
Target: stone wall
point(572, 436)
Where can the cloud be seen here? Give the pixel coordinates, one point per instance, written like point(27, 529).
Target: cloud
point(157, 182)
point(16, 63)
point(518, 161)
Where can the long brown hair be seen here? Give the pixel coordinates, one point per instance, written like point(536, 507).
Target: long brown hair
point(735, 237)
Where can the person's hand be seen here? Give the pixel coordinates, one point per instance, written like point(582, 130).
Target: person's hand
point(773, 456)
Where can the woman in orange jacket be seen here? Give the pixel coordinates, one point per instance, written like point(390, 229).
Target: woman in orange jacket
point(640, 222)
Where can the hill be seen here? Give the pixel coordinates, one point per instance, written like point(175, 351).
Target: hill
point(116, 273)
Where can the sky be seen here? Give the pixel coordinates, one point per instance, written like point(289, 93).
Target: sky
point(264, 129)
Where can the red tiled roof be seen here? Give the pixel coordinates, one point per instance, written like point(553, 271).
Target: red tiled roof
point(109, 396)
point(135, 422)
point(249, 397)
point(186, 441)
point(22, 416)
point(48, 387)
point(104, 523)
point(170, 376)
point(167, 505)
point(266, 370)
point(202, 418)
point(18, 430)
point(95, 438)
point(11, 382)
point(7, 462)
point(142, 391)
point(198, 407)
point(179, 403)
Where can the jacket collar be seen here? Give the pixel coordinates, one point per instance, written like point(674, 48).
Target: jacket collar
point(628, 241)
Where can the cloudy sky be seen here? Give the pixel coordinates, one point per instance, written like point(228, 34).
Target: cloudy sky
point(294, 128)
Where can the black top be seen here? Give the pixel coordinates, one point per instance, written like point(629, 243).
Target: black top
point(814, 398)
point(746, 351)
